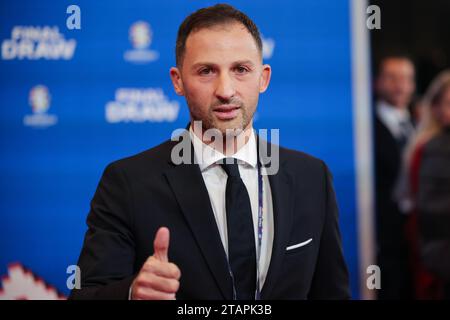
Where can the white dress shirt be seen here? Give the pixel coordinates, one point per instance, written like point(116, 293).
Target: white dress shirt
point(393, 118)
point(215, 179)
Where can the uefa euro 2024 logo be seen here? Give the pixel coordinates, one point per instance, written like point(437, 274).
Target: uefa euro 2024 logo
point(141, 36)
point(39, 100)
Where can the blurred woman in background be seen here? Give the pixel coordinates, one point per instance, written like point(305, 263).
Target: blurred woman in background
point(427, 164)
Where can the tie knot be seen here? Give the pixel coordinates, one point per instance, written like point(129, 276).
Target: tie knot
point(406, 128)
point(230, 166)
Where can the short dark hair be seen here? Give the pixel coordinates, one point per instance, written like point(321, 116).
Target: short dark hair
point(212, 16)
point(397, 55)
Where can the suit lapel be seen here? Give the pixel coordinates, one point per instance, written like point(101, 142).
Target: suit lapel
point(190, 191)
point(282, 198)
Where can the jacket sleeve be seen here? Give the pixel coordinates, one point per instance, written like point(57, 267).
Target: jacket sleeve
point(331, 279)
point(107, 258)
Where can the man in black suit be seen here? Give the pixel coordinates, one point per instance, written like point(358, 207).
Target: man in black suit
point(395, 86)
point(226, 223)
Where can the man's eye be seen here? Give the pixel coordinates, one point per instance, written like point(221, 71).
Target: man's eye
point(241, 70)
point(205, 71)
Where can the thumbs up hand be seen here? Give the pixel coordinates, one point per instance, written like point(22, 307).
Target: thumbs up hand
point(158, 278)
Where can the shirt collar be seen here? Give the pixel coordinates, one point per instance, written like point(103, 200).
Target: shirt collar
point(207, 156)
point(391, 113)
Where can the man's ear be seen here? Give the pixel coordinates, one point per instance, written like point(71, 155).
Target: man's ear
point(265, 78)
point(175, 76)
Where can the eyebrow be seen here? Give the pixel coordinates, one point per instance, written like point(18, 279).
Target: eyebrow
point(210, 64)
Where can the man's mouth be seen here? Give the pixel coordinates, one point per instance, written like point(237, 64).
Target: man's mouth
point(226, 112)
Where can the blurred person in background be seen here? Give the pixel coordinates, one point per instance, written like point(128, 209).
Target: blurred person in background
point(394, 89)
point(427, 164)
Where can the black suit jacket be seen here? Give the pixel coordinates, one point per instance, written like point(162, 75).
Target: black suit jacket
point(390, 221)
point(138, 195)
point(393, 250)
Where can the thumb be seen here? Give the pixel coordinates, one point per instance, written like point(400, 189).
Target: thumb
point(161, 244)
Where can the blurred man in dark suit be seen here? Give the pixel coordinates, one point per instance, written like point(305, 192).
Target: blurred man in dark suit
point(394, 86)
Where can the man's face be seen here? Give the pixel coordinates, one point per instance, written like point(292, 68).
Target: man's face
point(396, 83)
point(221, 76)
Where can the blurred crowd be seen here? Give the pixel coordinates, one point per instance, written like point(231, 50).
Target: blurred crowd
point(412, 164)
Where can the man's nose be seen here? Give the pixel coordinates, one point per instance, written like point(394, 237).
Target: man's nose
point(225, 88)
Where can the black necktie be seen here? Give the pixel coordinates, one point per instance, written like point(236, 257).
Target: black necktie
point(241, 239)
point(406, 130)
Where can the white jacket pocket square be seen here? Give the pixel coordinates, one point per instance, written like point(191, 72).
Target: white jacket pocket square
point(298, 245)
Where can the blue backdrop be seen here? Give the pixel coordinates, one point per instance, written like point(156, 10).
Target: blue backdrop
point(74, 100)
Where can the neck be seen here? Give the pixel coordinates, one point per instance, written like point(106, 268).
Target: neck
point(232, 144)
point(394, 106)
point(226, 144)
